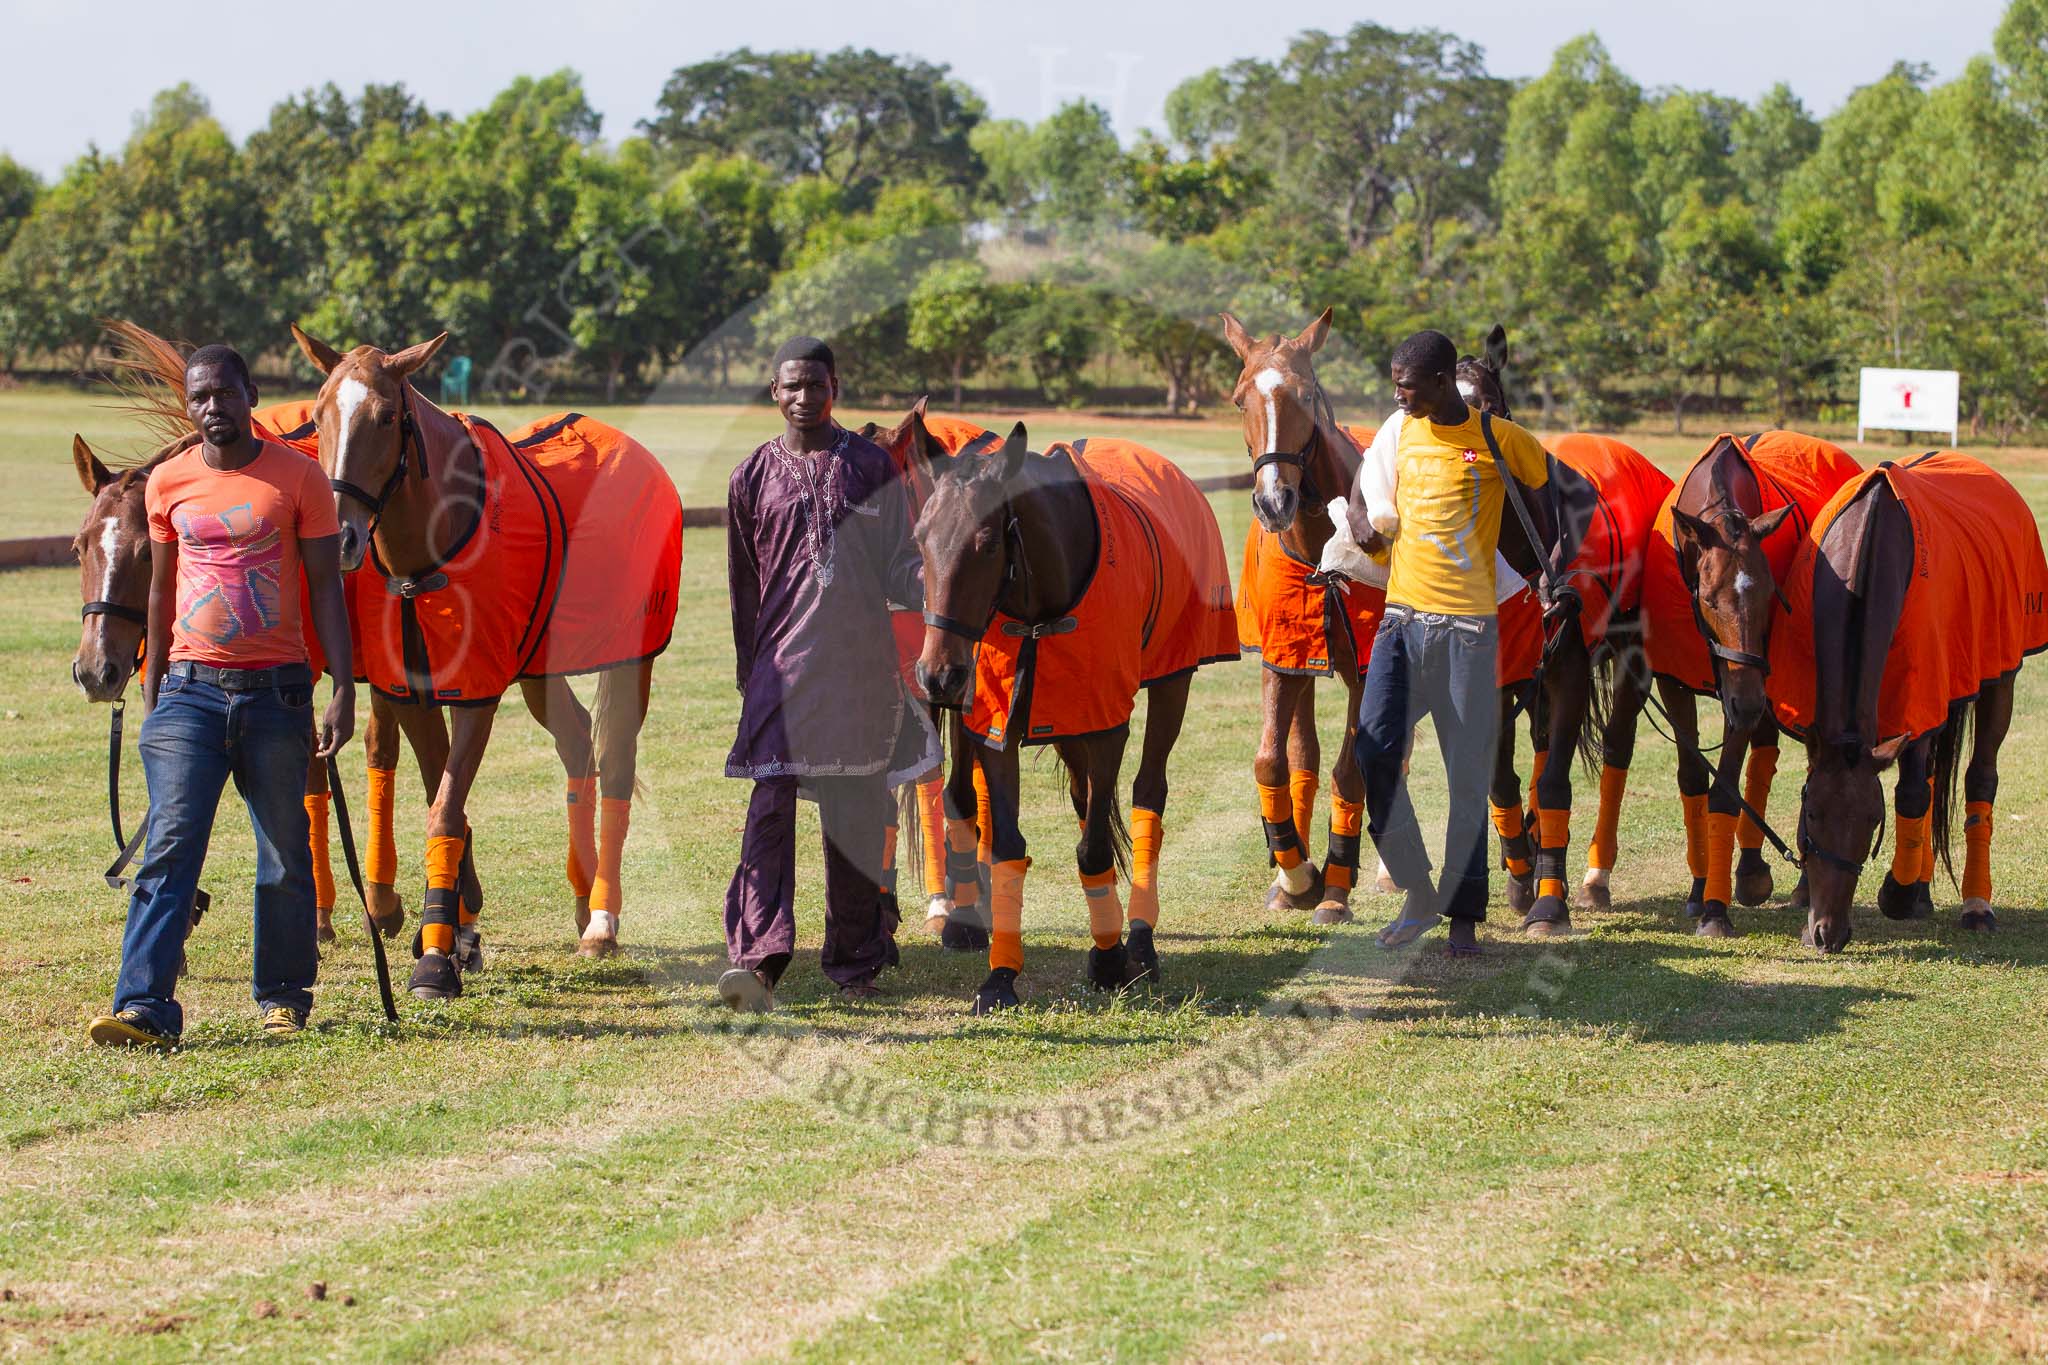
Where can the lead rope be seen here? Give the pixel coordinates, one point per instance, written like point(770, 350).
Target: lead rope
point(355, 876)
point(117, 872)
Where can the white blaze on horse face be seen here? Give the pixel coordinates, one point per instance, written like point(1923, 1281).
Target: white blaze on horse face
point(348, 396)
point(110, 544)
point(1468, 391)
point(1268, 382)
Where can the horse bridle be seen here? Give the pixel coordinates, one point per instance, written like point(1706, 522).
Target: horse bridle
point(117, 610)
point(1319, 409)
point(1013, 574)
point(408, 439)
point(1723, 652)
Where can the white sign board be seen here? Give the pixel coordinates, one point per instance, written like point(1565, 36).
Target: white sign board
point(1908, 400)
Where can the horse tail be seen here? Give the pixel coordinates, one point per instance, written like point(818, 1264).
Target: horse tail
point(909, 816)
point(1119, 829)
point(1951, 742)
point(148, 373)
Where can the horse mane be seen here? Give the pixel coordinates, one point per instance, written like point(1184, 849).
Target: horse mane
point(148, 375)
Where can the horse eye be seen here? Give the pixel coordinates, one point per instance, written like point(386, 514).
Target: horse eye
point(387, 419)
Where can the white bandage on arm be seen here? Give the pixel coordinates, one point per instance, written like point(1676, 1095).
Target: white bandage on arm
point(1378, 475)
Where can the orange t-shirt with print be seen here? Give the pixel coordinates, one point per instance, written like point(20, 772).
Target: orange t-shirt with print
point(238, 534)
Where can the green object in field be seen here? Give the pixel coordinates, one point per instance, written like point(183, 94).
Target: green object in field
point(455, 381)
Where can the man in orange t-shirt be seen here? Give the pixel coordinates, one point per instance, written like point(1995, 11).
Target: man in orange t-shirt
point(229, 693)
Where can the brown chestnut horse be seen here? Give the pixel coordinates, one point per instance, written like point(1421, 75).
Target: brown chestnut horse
point(411, 488)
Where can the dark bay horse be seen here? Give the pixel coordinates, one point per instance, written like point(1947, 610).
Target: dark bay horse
point(1914, 600)
point(411, 490)
point(1710, 598)
point(1056, 587)
point(1604, 497)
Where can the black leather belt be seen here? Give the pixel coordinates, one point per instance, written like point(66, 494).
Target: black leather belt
point(244, 679)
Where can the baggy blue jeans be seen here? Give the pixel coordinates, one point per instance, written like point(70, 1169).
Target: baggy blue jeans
point(1426, 664)
point(196, 738)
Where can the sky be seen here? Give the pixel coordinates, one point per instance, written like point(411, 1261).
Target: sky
point(77, 73)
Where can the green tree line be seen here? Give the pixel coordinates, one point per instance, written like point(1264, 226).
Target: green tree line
point(1653, 252)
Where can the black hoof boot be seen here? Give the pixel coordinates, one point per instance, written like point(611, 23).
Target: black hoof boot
point(999, 992)
point(1144, 958)
point(1753, 884)
point(434, 978)
point(469, 949)
point(1548, 918)
point(1923, 900)
point(963, 936)
point(1521, 893)
point(1902, 900)
point(1714, 921)
point(1696, 899)
point(1107, 968)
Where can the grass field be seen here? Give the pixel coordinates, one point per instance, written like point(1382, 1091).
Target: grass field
point(1630, 1144)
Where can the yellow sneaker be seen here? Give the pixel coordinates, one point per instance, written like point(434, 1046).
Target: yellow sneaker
point(282, 1021)
point(128, 1029)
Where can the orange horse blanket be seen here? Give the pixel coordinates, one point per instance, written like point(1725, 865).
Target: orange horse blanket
point(1791, 468)
point(1976, 605)
point(571, 566)
point(1608, 568)
point(1157, 606)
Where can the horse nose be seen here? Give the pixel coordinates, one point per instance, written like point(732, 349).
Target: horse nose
point(944, 685)
point(1278, 508)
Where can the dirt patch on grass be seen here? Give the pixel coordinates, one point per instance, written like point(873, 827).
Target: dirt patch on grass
point(2002, 1311)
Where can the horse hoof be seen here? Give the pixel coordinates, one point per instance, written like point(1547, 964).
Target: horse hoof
point(999, 992)
point(937, 911)
point(386, 909)
point(1108, 968)
point(1143, 957)
point(1696, 899)
point(1384, 883)
point(323, 929)
point(960, 936)
point(1923, 900)
point(1332, 912)
point(582, 915)
point(597, 948)
point(1594, 893)
point(1900, 900)
point(601, 939)
point(1977, 915)
point(1306, 899)
point(1548, 918)
point(1752, 878)
point(434, 978)
point(1521, 893)
point(1714, 922)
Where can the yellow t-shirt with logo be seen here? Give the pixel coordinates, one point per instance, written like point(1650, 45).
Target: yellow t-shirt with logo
point(1451, 501)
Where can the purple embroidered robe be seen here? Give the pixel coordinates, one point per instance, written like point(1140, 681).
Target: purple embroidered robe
point(817, 547)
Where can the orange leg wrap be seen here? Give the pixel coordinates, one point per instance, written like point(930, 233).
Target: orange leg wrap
point(1006, 892)
point(1607, 825)
point(444, 870)
point(960, 837)
point(611, 848)
point(931, 827)
point(582, 806)
point(1105, 911)
point(1756, 789)
point(1909, 845)
point(984, 819)
point(1148, 832)
point(1508, 823)
point(1720, 857)
point(1554, 830)
point(1927, 853)
point(380, 857)
point(323, 869)
point(1537, 764)
point(1347, 821)
point(1695, 833)
point(1977, 858)
point(1276, 805)
point(1301, 800)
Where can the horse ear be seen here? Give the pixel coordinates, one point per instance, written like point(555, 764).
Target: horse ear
point(924, 401)
point(1014, 451)
point(1698, 528)
point(1770, 521)
point(1239, 339)
point(412, 357)
point(1497, 349)
point(323, 356)
point(1887, 753)
point(91, 472)
point(927, 458)
point(1316, 333)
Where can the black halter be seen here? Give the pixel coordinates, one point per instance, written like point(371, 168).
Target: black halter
point(408, 439)
point(1319, 411)
point(1729, 653)
point(114, 609)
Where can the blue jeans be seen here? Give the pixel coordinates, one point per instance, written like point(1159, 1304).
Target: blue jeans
point(197, 737)
point(1441, 667)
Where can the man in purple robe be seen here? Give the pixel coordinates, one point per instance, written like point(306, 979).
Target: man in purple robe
point(817, 547)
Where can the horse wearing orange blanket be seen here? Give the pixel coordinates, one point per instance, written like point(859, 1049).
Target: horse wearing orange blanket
point(1057, 587)
point(1723, 542)
point(520, 560)
point(1913, 600)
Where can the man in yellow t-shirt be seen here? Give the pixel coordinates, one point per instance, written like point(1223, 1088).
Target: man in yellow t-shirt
point(1434, 654)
